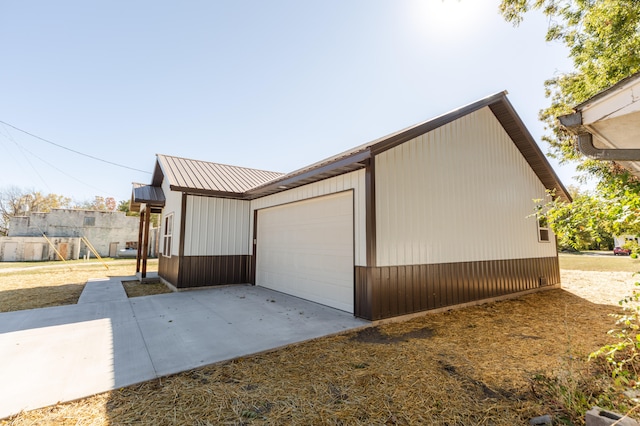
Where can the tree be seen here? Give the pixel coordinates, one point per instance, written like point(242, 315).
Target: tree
point(125, 206)
point(100, 203)
point(593, 218)
point(582, 224)
point(603, 39)
point(15, 201)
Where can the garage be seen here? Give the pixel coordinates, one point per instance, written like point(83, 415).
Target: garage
point(306, 249)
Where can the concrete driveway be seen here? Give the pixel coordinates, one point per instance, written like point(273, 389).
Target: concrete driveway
point(108, 341)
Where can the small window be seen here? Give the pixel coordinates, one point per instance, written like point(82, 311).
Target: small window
point(168, 235)
point(543, 230)
point(89, 221)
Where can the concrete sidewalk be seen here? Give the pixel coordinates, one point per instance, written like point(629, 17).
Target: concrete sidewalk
point(108, 341)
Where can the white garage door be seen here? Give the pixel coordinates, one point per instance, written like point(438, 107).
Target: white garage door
point(306, 249)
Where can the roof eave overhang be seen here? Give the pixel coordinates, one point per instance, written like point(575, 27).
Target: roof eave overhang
point(206, 192)
point(526, 144)
point(146, 195)
point(585, 134)
point(616, 101)
point(352, 161)
point(344, 165)
point(158, 175)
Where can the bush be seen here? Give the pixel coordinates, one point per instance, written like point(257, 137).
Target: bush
point(622, 356)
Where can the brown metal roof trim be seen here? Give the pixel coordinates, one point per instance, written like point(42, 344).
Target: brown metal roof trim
point(212, 179)
point(515, 128)
point(356, 157)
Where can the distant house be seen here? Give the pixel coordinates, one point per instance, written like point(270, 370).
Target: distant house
point(621, 240)
point(39, 235)
point(432, 216)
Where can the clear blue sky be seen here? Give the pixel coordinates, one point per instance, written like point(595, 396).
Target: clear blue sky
point(274, 85)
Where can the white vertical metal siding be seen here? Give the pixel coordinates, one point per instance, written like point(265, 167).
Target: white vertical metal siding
point(462, 192)
point(216, 226)
point(354, 180)
point(173, 204)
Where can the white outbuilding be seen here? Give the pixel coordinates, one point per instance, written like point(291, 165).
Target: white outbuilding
point(436, 215)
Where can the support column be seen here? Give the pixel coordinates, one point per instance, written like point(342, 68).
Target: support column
point(145, 240)
point(140, 227)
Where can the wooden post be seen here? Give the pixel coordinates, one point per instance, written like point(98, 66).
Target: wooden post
point(139, 242)
point(145, 241)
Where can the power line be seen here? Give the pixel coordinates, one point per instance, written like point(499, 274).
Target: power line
point(73, 150)
point(59, 170)
point(8, 136)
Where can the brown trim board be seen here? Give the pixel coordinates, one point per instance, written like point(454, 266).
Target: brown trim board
point(389, 291)
point(168, 268)
point(183, 224)
point(370, 211)
point(205, 271)
point(254, 245)
point(140, 230)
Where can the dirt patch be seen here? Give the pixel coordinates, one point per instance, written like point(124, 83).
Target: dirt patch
point(374, 335)
point(137, 289)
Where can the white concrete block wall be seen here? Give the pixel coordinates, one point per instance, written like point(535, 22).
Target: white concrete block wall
point(19, 249)
point(107, 227)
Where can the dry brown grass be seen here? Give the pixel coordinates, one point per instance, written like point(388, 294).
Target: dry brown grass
point(54, 283)
point(472, 366)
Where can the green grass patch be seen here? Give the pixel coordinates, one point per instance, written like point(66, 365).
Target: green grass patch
point(597, 262)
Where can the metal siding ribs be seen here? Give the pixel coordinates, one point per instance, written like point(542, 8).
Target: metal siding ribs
point(389, 291)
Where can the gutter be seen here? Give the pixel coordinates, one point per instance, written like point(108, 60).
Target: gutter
point(573, 123)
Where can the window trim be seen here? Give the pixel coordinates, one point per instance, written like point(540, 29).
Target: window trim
point(543, 229)
point(167, 235)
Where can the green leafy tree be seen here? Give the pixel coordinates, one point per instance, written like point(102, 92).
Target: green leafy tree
point(593, 218)
point(125, 206)
point(584, 224)
point(603, 40)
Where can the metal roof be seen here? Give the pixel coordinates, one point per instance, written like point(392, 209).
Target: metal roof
point(146, 194)
point(202, 177)
point(196, 176)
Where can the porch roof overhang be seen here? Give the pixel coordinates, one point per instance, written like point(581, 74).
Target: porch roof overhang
point(149, 195)
point(607, 125)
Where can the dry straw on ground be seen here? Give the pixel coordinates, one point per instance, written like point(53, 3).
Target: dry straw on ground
point(471, 366)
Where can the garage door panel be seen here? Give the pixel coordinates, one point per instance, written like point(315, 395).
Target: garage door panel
point(306, 249)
